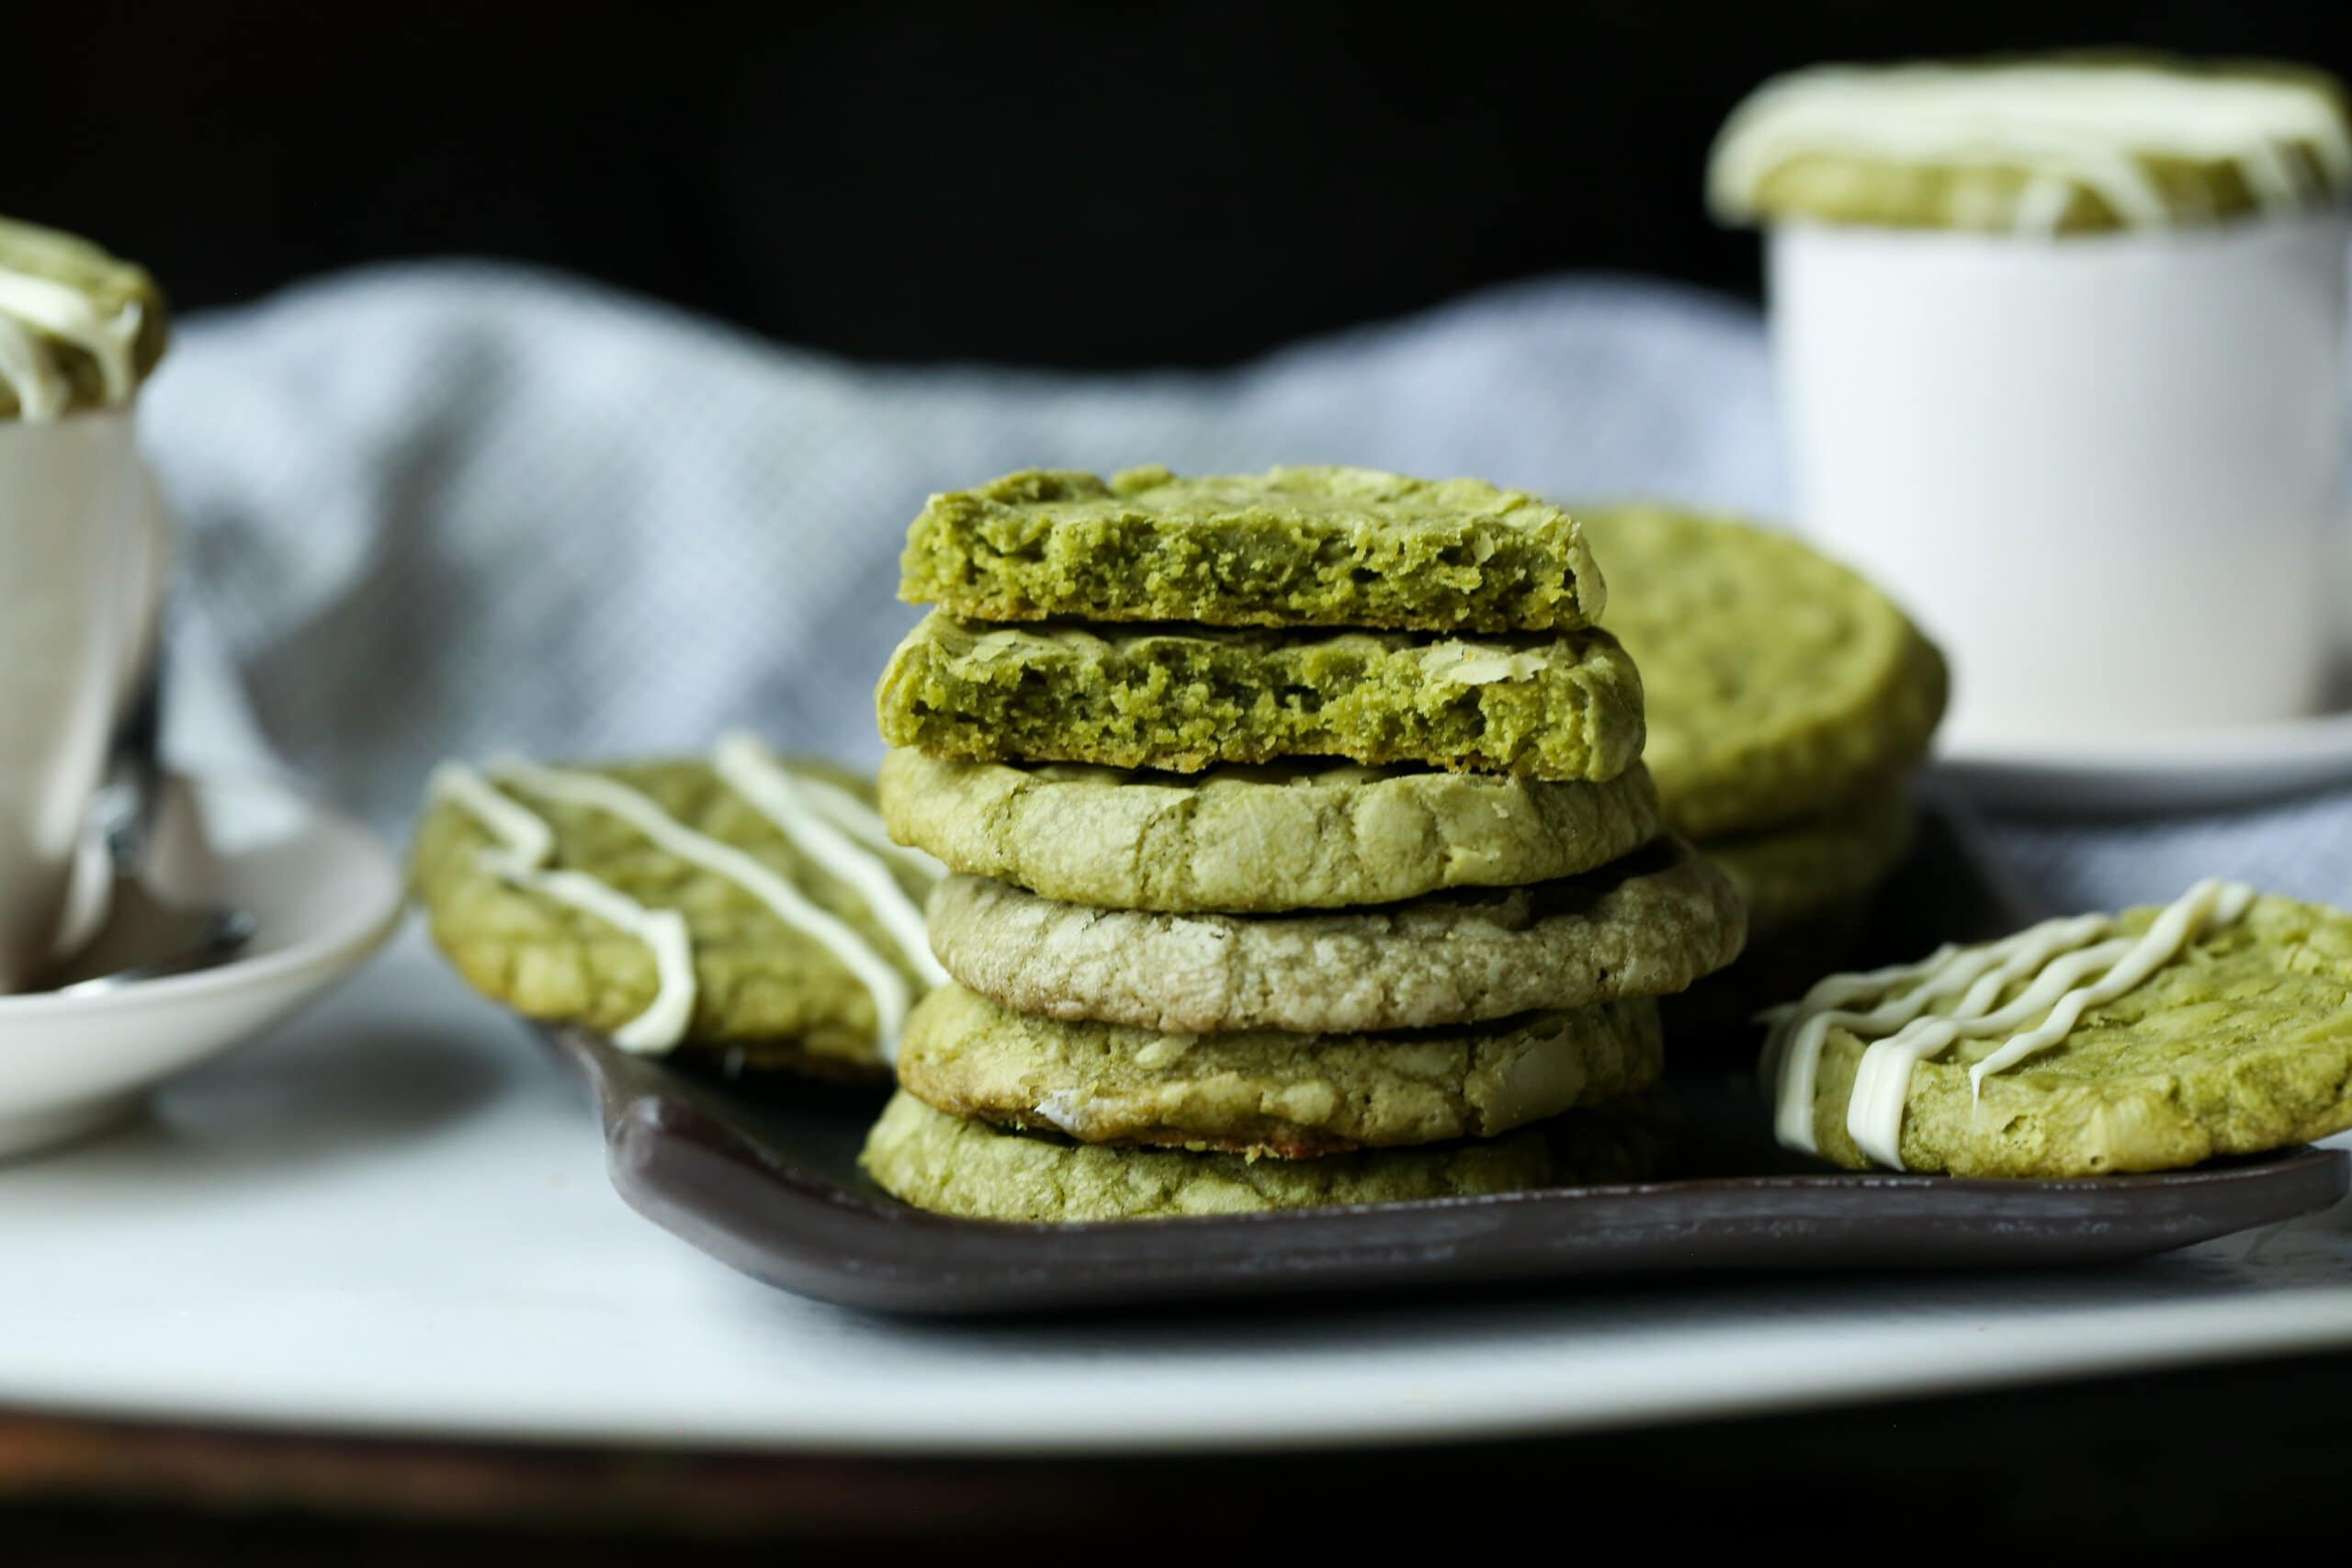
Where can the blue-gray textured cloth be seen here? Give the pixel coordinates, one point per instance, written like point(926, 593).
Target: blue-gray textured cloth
point(454, 509)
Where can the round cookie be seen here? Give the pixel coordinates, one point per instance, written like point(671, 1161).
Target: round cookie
point(1648, 925)
point(977, 1170)
point(1811, 871)
point(2065, 144)
point(1261, 1091)
point(2239, 1043)
point(1258, 840)
point(1776, 682)
point(63, 370)
point(766, 990)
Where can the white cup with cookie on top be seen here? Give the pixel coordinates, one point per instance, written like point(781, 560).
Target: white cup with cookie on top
point(2061, 344)
point(81, 550)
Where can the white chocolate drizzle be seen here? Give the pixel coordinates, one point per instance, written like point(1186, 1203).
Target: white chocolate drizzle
point(36, 315)
point(525, 844)
point(863, 823)
point(828, 823)
point(1066, 1111)
point(787, 903)
point(748, 768)
point(2070, 127)
point(2067, 967)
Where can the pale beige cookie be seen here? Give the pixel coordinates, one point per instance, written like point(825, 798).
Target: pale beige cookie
point(1301, 835)
point(1644, 926)
point(1261, 1091)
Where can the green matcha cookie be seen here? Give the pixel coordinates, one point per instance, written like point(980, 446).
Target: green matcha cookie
point(1808, 888)
point(1295, 836)
point(772, 990)
point(1321, 546)
point(2067, 144)
point(1261, 1091)
point(1550, 707)
point(1644, 926)
point(978, 1170)
point(1804, 871)
point(2239, 1043)
point(92, 327)
point(1776, 682)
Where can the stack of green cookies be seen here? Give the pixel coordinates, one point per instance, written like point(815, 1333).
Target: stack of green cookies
point(1300, 849)
point(1789, 701)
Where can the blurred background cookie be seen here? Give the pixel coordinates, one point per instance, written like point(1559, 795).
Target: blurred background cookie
point(1786, 699)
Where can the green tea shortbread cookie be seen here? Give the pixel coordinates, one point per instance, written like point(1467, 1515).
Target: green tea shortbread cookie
point(79, 330)
point(1804, 871)
point(1778, 682)
point(1261, 1091)
point(1644, 926)
point(676, 940)
point(2065, 144)
point(1324, 546)
point(1552, 708)
point(1284, 836)
point(2220, 1025)
point(978, 1170)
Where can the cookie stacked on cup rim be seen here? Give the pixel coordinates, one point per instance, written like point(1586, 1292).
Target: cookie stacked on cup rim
point(1301, 851)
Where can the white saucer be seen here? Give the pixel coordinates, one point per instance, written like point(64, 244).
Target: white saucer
point(325, 894)
point(2185, 771)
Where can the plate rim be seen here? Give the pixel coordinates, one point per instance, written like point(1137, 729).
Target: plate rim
point(2158, 772)
point(664, 1151)
point(343, 945)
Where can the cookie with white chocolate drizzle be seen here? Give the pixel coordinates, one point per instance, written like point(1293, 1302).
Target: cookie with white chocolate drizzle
point(79, 330)
point(741, 904)
point(2053, 146)
point(2219, 1024)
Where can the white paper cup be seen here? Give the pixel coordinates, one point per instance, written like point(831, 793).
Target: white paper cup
point(81, 546)
point(2104, 471)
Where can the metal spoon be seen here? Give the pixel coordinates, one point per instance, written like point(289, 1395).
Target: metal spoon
point(146, 940)
point(143, 938)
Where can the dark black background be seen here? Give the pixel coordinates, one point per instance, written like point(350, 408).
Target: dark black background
point(1078, 185)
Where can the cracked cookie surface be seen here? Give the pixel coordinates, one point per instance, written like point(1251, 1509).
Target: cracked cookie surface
point(1286, 835)
point(976, 1170)
point(1646, 925)
point(1266, 1092)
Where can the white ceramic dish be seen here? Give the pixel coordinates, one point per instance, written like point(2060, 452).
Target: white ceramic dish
point(393, 1216)
point(2185, 771)
point(324, 893)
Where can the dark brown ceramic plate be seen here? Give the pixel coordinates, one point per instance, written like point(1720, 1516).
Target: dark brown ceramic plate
point(765, 1177)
